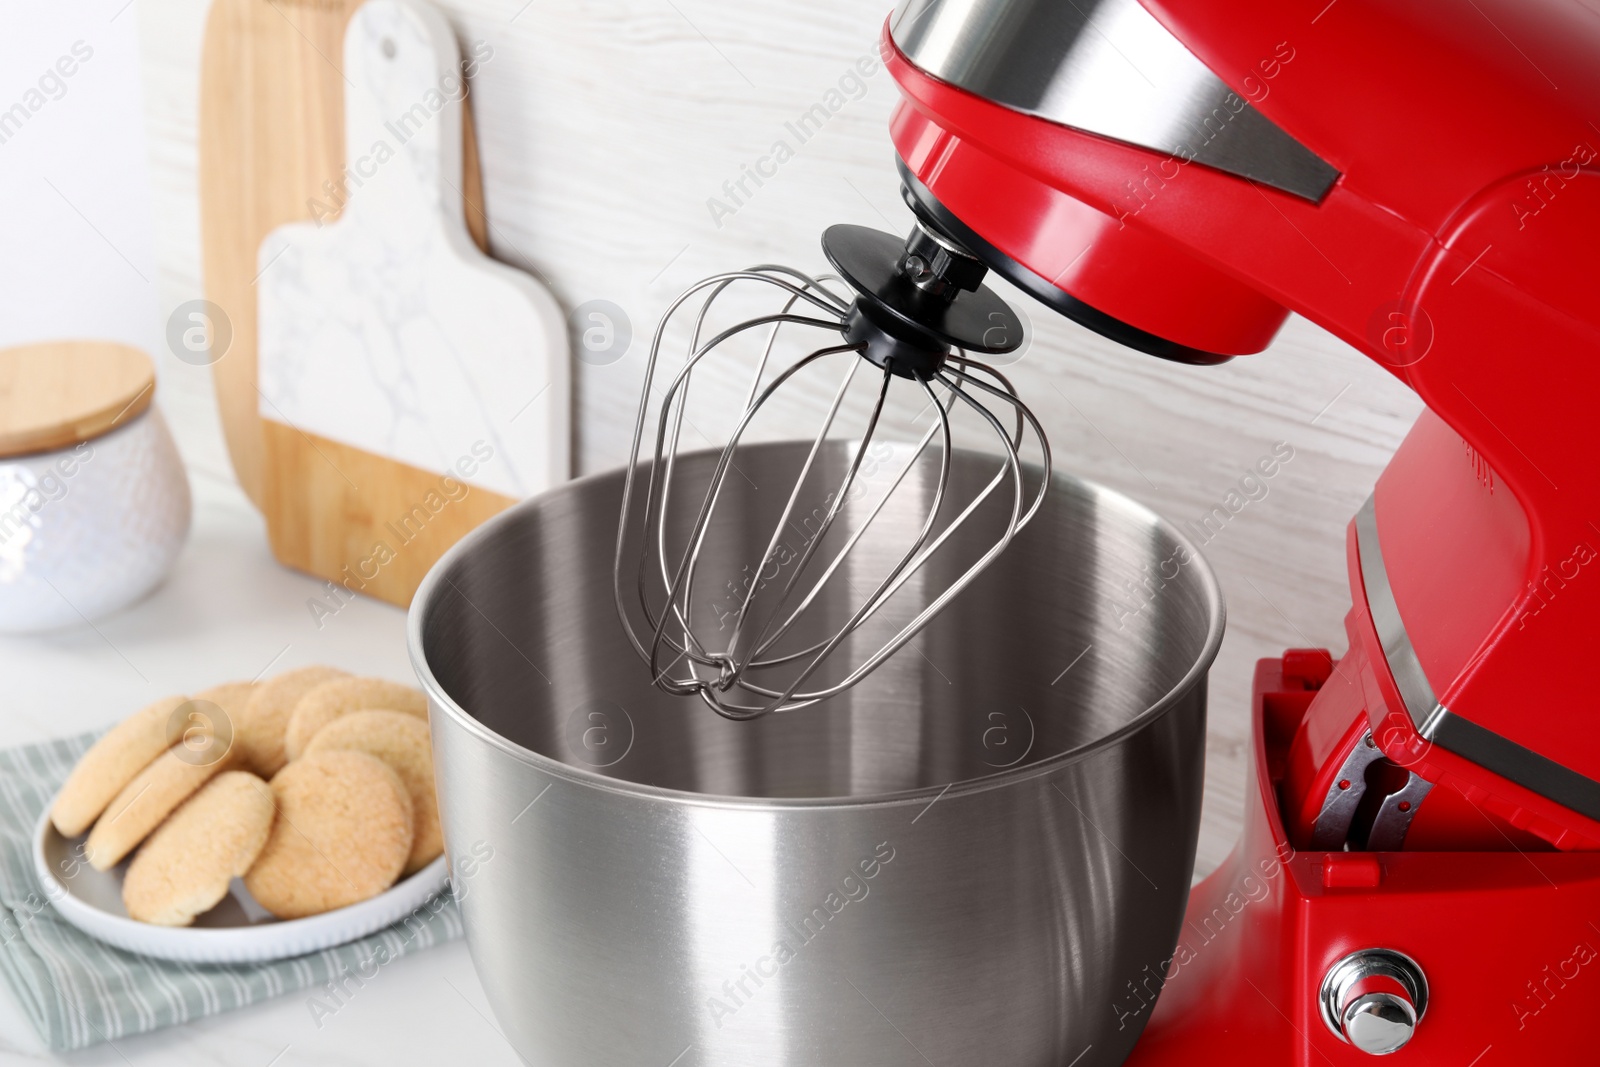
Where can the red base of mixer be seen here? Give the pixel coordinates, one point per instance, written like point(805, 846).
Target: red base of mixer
point(1509, 941)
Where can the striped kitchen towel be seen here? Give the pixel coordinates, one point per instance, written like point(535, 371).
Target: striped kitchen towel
point(81, 992)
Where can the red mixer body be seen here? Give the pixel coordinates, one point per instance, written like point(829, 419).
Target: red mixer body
point(1453, 756)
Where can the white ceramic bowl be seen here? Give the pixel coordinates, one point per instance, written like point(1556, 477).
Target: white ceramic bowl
point(238, 930)
point(91, 528)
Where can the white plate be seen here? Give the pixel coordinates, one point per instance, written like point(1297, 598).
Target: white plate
point(237, 930)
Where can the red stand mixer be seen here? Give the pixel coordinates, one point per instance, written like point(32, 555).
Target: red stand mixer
point(1419, 872)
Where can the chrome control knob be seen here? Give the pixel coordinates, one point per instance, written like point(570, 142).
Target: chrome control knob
point(1373, 1000)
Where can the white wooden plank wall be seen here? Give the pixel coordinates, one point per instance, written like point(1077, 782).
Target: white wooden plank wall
point(606, 126)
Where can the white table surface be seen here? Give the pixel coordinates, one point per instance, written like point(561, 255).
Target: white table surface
point(227, 612)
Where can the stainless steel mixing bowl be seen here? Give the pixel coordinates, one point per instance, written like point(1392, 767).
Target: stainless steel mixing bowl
point(965, 860)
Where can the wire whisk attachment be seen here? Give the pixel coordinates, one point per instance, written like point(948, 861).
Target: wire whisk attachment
point(762, 598)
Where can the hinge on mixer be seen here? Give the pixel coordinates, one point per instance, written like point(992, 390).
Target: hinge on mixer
point(1340, 820)
point(1389, 826)
point(1332, 827)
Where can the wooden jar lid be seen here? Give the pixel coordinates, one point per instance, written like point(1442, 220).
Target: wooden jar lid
point(59, 393)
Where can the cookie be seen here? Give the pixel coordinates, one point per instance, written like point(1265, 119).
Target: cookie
point(343, 834)
point(125, 750)
point(341, 696)
point(185, 866)
point(142, 805)
point(402, 742)
point(211, 722)
point(260, 730)
point(231, 697)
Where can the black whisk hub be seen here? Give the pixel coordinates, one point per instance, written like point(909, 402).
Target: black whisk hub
point(916, 299)
point(891, 345)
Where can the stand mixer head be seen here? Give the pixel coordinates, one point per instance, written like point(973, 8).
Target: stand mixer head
point(911, 315)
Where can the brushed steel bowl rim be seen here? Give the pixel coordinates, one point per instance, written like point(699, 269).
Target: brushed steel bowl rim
point(1215, 605)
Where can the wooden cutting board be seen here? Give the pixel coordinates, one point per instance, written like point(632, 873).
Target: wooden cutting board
point(271, 146)
point(410, 386)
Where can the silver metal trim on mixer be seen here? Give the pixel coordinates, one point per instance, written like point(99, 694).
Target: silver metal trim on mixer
point(1378, 1017)
point(1106, 67)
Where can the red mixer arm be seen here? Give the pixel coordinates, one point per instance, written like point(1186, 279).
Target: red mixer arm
point(1456, 249)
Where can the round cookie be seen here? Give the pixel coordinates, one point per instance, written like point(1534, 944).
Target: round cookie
point(341, 696)
point(259, 731)
point(402, 742)
point(186, 865)
point(231, 697)
point(211, 723)
point(142, 805)
point(343, 834)
point(111, 763)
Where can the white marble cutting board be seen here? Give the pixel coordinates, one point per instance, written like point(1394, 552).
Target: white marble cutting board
point(385, 328)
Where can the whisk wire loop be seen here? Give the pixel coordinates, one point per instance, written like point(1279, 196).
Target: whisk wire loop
point(713, 492)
